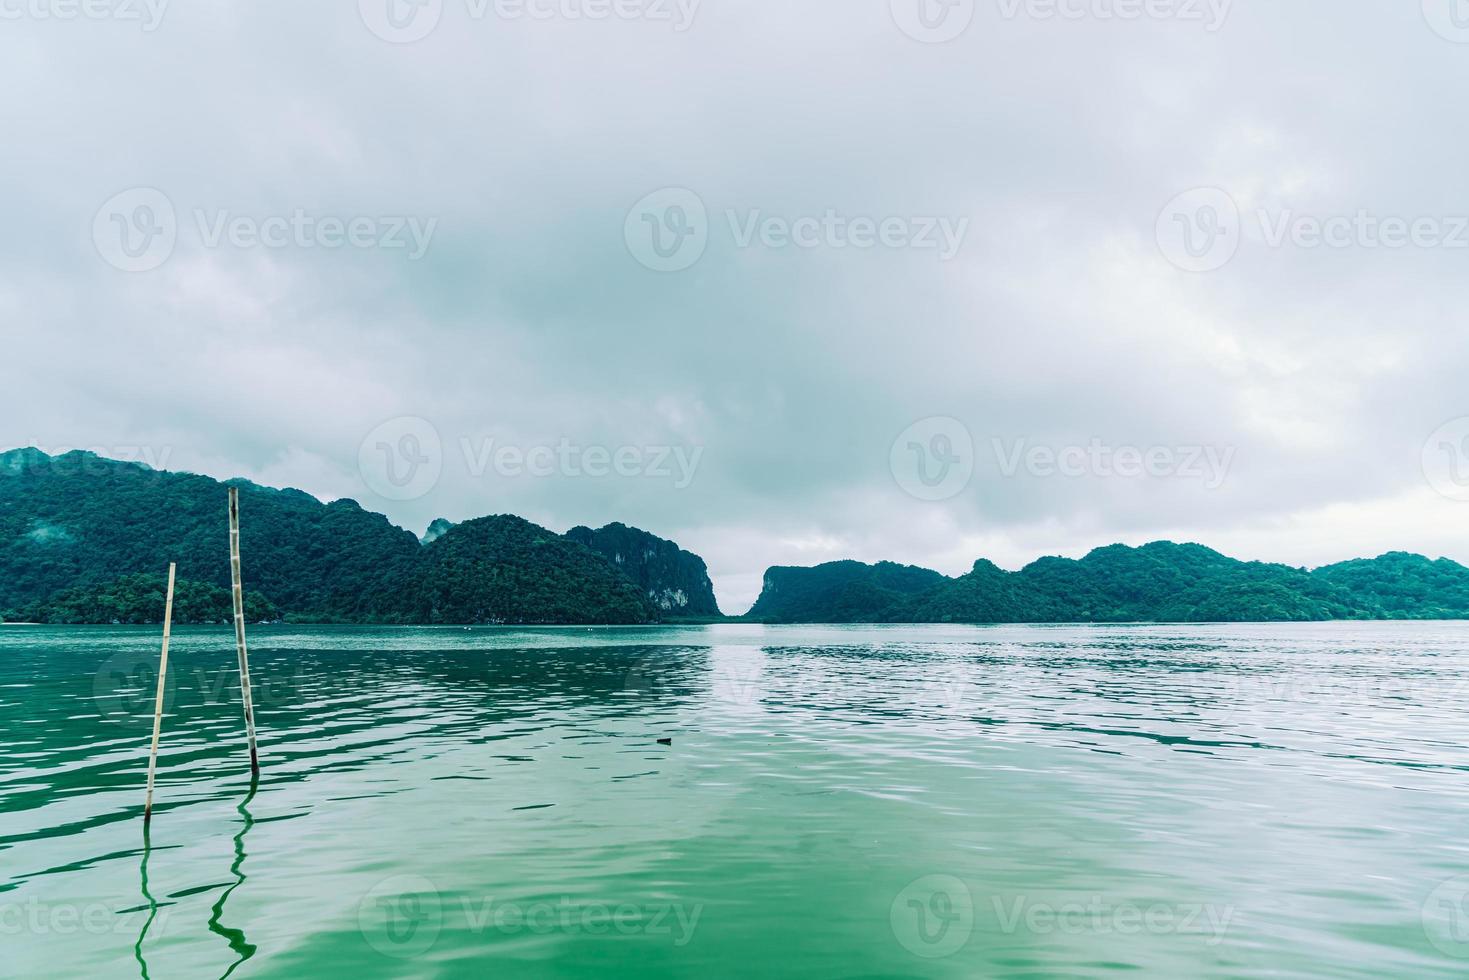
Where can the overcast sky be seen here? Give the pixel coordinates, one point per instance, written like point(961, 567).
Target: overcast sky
point(783, 281)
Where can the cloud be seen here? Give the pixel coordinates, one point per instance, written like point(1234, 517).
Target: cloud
point(791, 368)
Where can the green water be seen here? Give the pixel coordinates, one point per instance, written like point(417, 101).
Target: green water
point(1255, 801)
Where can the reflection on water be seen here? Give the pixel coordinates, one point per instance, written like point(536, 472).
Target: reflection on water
point(152, 904)
point(236, 937)
point(1264, 800)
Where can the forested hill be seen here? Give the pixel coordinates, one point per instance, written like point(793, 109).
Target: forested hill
point(1159, 582)
point(676, 581)
point(86, 539)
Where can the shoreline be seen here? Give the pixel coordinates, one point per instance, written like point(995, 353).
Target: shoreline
point(492, 627)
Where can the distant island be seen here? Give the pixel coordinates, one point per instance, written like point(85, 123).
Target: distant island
point(83, 539)
point(1158, 582)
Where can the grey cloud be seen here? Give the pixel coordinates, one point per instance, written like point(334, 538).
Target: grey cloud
point(528, 321)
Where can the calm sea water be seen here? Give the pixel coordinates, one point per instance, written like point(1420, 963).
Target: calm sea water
point(1281, 801)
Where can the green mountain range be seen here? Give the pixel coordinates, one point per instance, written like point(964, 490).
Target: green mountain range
point(85, 539)
point(1159, 582)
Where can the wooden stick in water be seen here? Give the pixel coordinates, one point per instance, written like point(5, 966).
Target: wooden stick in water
point(158, 704)
point(240, 628)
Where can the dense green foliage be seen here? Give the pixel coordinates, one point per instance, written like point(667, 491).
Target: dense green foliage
point(507, 570)
point(80, 520)
point(76, 530)
point(1404, 586)
point(140, 599)
point(1159, 582)
point(676, 581)
point(83, 539)
point(986, 595)
point(839, 591)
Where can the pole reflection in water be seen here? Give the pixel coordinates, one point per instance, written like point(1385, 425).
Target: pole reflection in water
point(152, 905)
point(238, 944)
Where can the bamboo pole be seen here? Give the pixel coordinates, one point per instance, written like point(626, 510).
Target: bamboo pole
point(158, 704)
point(240, 628)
